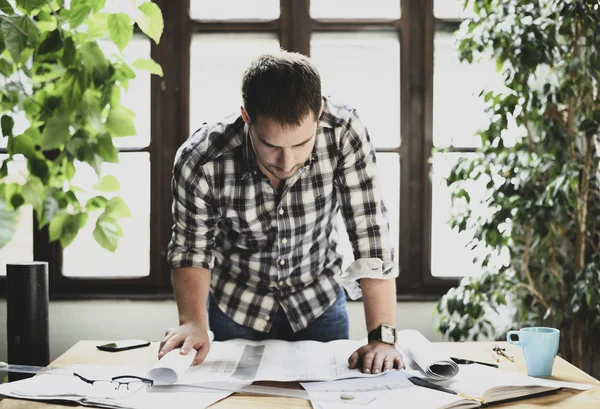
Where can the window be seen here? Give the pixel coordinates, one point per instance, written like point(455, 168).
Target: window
point(393, 60)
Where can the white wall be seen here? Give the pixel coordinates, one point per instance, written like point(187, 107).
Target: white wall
point(71, 321)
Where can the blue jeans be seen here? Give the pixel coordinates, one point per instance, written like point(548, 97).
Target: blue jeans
point(331, 325)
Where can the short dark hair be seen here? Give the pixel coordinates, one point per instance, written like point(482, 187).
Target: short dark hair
point(283, 86)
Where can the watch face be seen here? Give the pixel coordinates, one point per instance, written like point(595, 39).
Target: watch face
point(388, 335)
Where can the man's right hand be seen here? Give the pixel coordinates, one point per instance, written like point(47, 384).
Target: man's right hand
point(189, 335)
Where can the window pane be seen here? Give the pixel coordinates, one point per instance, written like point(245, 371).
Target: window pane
point(137, 97)
point(452, 9)
point(450, 256)
point(234, 9)
point(355, 9)
point(218, 61)
point(20, 248)
point(388, 164)
point(459, 84)
point(362, 70)
point(84, 257)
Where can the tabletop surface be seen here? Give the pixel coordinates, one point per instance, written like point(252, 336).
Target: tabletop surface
point(85, 352)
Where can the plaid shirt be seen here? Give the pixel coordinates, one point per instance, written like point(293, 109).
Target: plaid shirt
point(266, 249)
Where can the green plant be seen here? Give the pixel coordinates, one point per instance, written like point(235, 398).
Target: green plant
point(543, 191)
point(58, 80)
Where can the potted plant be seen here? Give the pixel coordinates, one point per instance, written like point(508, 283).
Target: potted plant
point(542, 191)
point(59, 83)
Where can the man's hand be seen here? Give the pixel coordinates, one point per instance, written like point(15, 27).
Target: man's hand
point(191, 335)
point(376, 357)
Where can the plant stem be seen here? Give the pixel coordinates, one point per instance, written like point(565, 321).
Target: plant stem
point(530, 284)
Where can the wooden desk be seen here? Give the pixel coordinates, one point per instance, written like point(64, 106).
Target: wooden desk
point(85, 352)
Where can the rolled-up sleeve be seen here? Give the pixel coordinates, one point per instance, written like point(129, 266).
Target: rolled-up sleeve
point(364, 213)
point(192, 238)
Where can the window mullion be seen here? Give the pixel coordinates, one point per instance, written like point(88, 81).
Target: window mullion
point(295, 25)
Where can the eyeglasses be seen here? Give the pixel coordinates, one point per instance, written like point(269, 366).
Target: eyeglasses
point(123, 384)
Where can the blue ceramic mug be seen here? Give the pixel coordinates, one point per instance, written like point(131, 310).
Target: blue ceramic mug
point(539, 345)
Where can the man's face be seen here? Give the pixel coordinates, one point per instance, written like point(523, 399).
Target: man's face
point(281, 151)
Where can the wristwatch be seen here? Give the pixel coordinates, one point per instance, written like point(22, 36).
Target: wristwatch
point(383, 333)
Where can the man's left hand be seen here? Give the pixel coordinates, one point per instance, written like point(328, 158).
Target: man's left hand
point(376, 357)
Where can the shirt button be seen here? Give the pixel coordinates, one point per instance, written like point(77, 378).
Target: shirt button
point(282, 262)
point(281, 211)
point(281, 284)
point(267, 318)
point(284, 241)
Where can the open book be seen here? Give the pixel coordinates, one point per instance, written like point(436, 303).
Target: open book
point(479, 385)
point(484, 384)
point(275, 360)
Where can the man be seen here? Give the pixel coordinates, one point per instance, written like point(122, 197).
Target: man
point(254, 237)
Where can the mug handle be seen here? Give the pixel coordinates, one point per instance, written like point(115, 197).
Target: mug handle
point(509, 339)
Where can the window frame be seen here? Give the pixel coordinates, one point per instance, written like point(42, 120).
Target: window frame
point(170, 116)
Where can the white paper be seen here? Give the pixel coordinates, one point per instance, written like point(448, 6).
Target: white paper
point(420, 354)
point(389, 390)
point(171, 366)
point(275, 360)
point(70, 388)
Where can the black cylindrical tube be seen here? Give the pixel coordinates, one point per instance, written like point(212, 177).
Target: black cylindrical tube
point(28, 338)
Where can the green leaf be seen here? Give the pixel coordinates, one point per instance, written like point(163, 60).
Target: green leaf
point(65, 226)
point(94, 60)
point(34, 193)
point(56, 226)
point(120, 122)
point(106, 149)
point(68, 52)
point(30, 5)
point(26, 142)
point(120, 28)
point(3, 173)
point(50, 210)
point(148, 65)
point(152, 23)
point(107, 232)
point(95, 203)
point(52, 43)
point(79, 11)
point(56, 133)
point(74, 84)
point(6, 8)
point(98, 25)
point(117, 208)
point(97, 4)
point(46, 21)
point(6, 68)
point(71, 227)
point(7, 124)
point(15, 36)
point(9, 220)
point(108, 183)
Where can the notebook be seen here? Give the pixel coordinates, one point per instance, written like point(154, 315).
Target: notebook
point(480, 385)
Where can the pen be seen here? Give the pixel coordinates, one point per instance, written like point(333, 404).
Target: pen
point(426, 384)
point(468, 362)
point(430, 385)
